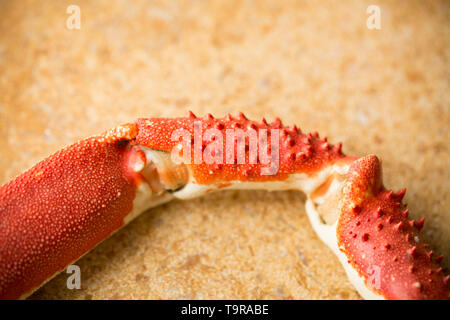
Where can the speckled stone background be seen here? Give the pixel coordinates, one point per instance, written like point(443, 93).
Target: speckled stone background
point(313, 63)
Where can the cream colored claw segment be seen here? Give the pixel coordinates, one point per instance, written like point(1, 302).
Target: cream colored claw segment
point(300, 181)
point(152, 192)
point(160, 175)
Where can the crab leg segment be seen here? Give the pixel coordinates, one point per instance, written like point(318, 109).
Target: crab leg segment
point(381, 243)
point(293, 151)
point(65, 205)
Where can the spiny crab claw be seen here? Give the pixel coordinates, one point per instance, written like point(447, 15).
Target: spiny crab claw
point(382, 251)
point(68, 203)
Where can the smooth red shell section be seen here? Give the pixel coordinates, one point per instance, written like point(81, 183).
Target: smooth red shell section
point(60, 209)
point(381, 243)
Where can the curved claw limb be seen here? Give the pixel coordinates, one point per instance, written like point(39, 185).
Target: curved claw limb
point(68, 203)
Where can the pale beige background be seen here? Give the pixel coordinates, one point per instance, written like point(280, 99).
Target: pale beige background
point(313, 63)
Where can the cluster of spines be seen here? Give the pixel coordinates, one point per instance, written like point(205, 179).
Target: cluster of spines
point(299, 146)
point(276, 124)
point(387, 219)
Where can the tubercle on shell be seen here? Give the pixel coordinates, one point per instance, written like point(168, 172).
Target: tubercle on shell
point(381, 243)
point(298, 152)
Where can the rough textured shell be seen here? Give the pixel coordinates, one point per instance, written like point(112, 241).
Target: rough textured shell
point(61, 208)
point(298, 153)
point(381, 243)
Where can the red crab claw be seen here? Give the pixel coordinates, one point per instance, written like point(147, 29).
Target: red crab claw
point(384, 247)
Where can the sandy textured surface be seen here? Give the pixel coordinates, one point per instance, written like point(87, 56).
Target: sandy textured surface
point(312, 63)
